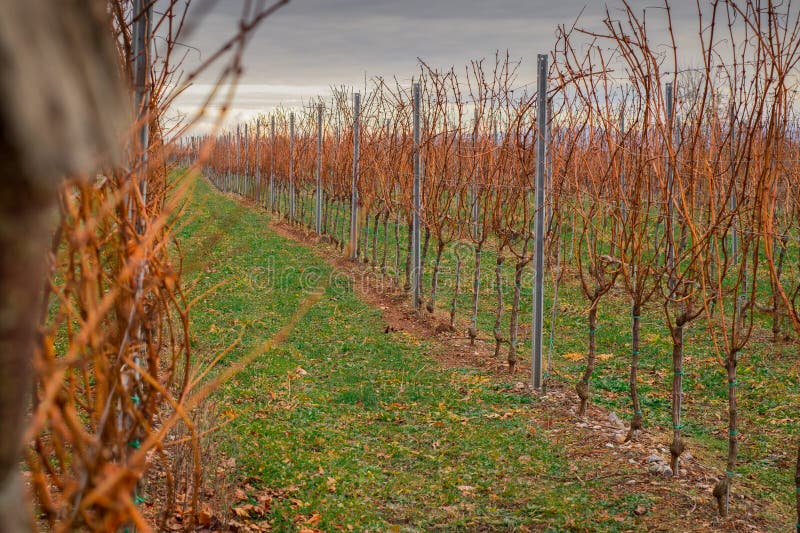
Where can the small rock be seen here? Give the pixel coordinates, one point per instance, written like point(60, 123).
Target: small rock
point(619, 438)
point(614, 420)
point(666, 471)
point(686, 456)
point(682, 471)
point(655, 468)
point(654, 458)
point(609, 445)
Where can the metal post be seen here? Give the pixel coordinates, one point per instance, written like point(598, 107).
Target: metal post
point(141, 54)
point(318, 217)
point(291, 166)
point(538, 274)
point(238, 159)
point(622, 184)
point(142, 13)
point(548, 160)
point(474, 199)
point(272, 165)
point(417, 266)
point(354, 192)
point(670, 177)
point(229, 177)
point(259, 188)
point(732, 202)
point(245, 159)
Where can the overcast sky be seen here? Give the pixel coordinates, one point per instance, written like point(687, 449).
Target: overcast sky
point(310, 45)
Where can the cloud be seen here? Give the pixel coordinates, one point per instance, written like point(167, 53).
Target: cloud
point(319, 43)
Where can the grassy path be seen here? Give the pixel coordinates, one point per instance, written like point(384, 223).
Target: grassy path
point(351, 428)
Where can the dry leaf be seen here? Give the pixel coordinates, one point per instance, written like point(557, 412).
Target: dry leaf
point(466, 490)
point(205, 515)
point(331, 482)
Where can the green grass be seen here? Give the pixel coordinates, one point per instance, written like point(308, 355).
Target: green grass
point(377, 434)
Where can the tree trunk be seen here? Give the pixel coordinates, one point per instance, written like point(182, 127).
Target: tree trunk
point(52, 122)
point(375, 238)
point(435, 279)
point(583, 385)
point(299, 206)
point(476, 291)
point(409, 251)
point(456, 288)
point(678, 444)
point(362, 250)
point(425, 242)
point(343, 226)
point(397, 249)
point(335, 223)
point(325, 209)
point(513, 333)
point(776, 298)
point(498, 280)
point(385, 241)
point(22, 253)
point(722, 490)
point(797, 485)
point(636, 421)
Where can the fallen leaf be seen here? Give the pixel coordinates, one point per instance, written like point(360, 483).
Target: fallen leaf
point(245, 511)
point(174, 523)
point(466, 490)
point(331, 483)
point(205, 515)
point(265, 499)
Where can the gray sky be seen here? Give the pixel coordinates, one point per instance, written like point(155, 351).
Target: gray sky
point(311, 45)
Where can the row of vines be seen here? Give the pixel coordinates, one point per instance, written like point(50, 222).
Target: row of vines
point(103, 391)
point(676, 188)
